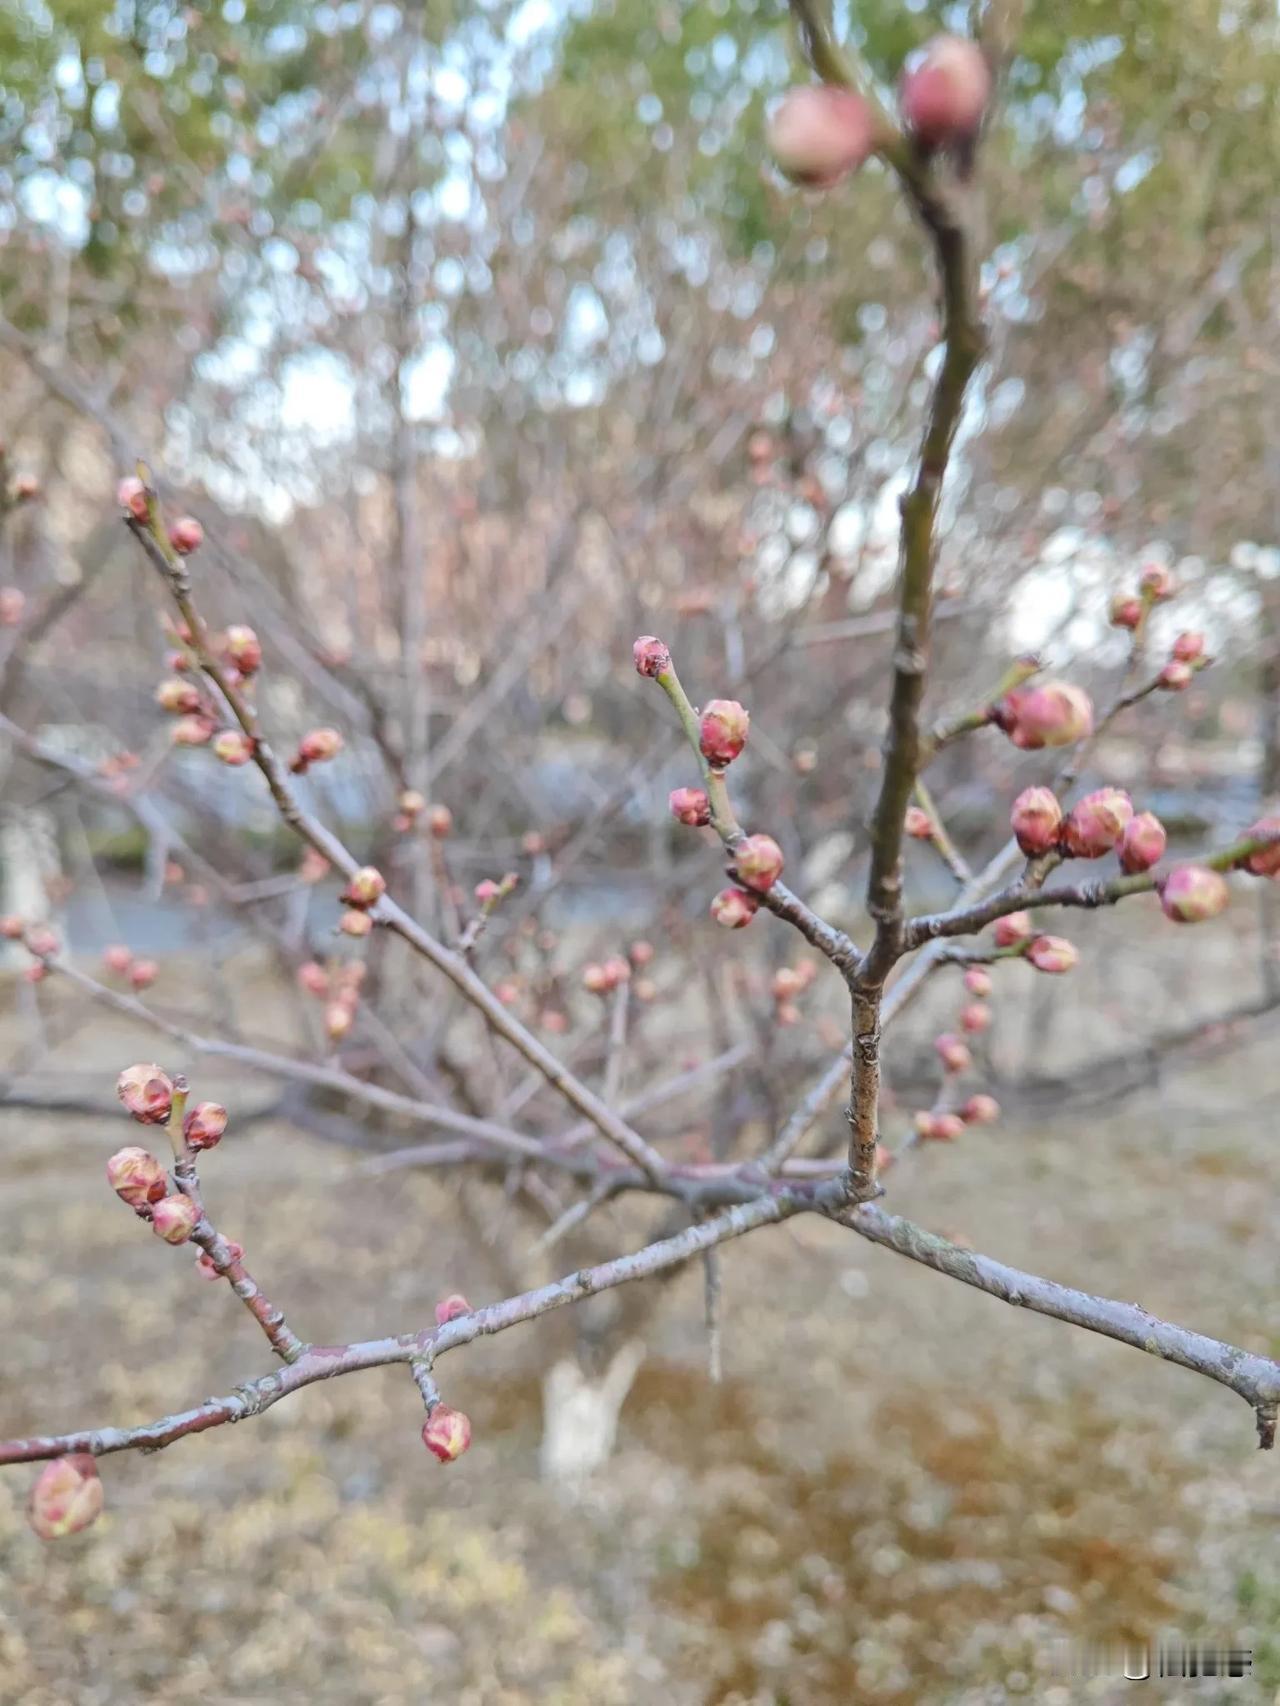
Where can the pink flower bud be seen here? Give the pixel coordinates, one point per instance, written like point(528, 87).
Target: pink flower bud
point(1143, 844)
point(42, 941)
point(11, 927)
point(1191, 894)
point(186, 535)
point(244, 649)
point(131, 495)
point(36, 973)
point(723, 731)
point(180, 698)
point(975, 1016)
point(594, 979)
point(204, 1262)
point(143, 973)
point(1157, 582)
point(192, 731)
point(233, 747)
point(953, 1053)
point(314, 867)
point(1188, 648)
point(641, 953)
point(645, 989)
point(758, 862)
point(411, 803)
point(174, 1219)
point(1097, 823)
point(313, 978)
point(136, 1176)
point(817, 134)
point(487, 892)
point(977, 980)
point(1036, 818)
point(1053, 954)
point(1175, 676)
point(553, 1021)
point(944, 91)
point(690, 806)
point(980, 1110)
point(1013, 929)
point(366, 887)
point(734, 908)
point(1266, 861)
point(787, 984)
point(1053, 714)
point(67, 1496)
point(204, 1125)
point(117, 958)
point(1126, 611)
point(918, 824)
point(440, 822)
point(339, 1017)
point(355, 923)
point(651, 656)
point(446, 1433)
point(146, 1092)
point(26, 487)
point(316, 747)
point(449, 1308)
point(13, 601)
point(937, 1128)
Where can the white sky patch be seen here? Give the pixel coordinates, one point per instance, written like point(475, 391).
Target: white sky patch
point(316, 398)
point(426, 382)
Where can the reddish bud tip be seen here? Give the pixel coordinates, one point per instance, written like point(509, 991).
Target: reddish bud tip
point(117, 958)
point(446, 1433)
point(366, 887)
point(146, 1092)
point(918, 824)
point(449, 1308)
point(1264, 863)
point(977, 980)
point(1143, 843)
point(411, 803)
point(723, 731)
point(233, 747)
point(817, 135)
point(1157, 582)
point(316, 747)
point(1014, 929)
point(204, 1125)
point(690, 806)
point(1097, 823)
point(11, 927)
point(1036, 818)
point(355, 923)
point(1191, 894)
point(143, 973)
point(980, 1110)
point(313, 978)
point(1053, 954)
point(953, 1053)
point(1189, 648)
point(41, 941)
point(180, 698)
point(136, 1176)
point(192, 731)
point(339, 1017)
point(174, 1219)
point(244, 649)
point(186, 535)
point(67, 1496)
point(13, 601)
point(758, 862)
point(593, 978)
point(975, 1016)
point(641, 953)
point(1175, 676)
point(1052, 714)
point(131, 495)
point(944, 90)
point(1127, 611)
point(734, 908)
point(651, 657)
point(937, 1128)
point(440, 822)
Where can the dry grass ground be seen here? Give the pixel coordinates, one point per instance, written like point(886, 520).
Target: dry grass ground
point(903, 1493)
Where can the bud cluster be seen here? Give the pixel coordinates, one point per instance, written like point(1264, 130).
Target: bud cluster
point(338, 987)
point(944, 1122)
point(151, 1097)
point(787, 986)
point(1101, 822)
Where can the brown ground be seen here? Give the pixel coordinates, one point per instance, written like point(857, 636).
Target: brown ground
point(902, 1494)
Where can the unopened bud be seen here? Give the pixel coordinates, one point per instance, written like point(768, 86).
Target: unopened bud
point(734, 908)
point(1191, 894)
point(365, 888)
point(1013, 929)
point(487, 891)
point(192, 731)
point(593, 979)
point(977, 980)
point(316, 747)
point(146, 1092)
point(186, 535)
point(1052, 714)
point(1127, 611)
point(244, 649)
point(446, 1433)
point(143, 973)
point(233, 747)
point(1143, 844)
point(41, 941)
point(339, 1016)
point(723, 731)
point(26, 487)
point(313, 978)
point(314, 867)
point(944, 90)
point(651, 656)
point(975, 1016)
point(980, 1110)
point(449, 1308)
point(1266, 861)
point(1157, 582)
point(174, 1219)
point(641, 953)
point(1053, 954)
point(412, 804)
point(1175, 676)
point(787, 984)
point(181, 698)
point(918, 824)
point(1097, 823)
point(136, 1176)
point(1189, 648)
point(13, 601)
point(117, 958)
point(817, 134)
point(440, 822)
point(758, 862)
point(67, 1496)
point(355, 923)
point(938, 1128)
point(690, 806)
point(205, 1264)
point(131, 495)
point(1036, 819)
point(204, 1125)
point(12, 927)
point(953, 1053)
point(645, 989)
